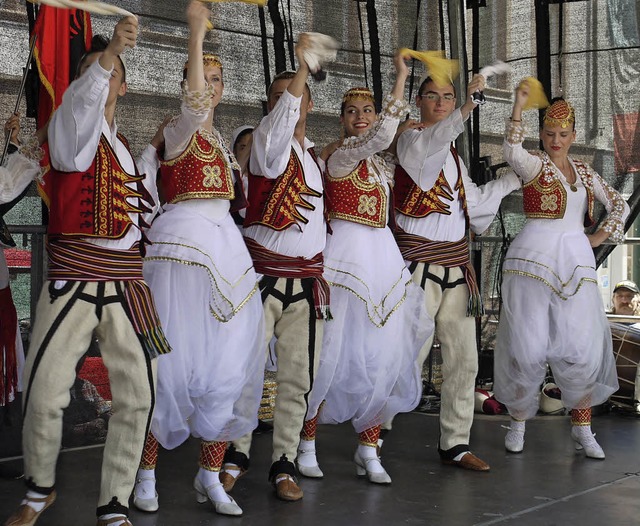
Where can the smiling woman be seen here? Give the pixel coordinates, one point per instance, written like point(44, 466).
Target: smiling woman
point(368, 370)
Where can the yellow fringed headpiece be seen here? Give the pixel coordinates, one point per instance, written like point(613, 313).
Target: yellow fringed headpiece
point(357, 94)
point(560, 113)
point(537, 99)
point(441, 70)
point(208, 59)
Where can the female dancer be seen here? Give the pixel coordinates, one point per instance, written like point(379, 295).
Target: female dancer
point(205, 288)
point(553, 312)
point(368, 371)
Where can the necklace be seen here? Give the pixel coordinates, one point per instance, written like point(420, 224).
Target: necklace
point(573, 187)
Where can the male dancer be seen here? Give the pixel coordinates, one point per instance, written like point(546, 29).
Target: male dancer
point(285, 232)
point(435, 202)
point(96, 199)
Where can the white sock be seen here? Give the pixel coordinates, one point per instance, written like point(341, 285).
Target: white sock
point(146, 484)
point(114, 516)
point(458, 458)
point(232, 469)
point(307, 453)
point(208, 479)
point(37, 506)
point(517, 425)
point(367, 452)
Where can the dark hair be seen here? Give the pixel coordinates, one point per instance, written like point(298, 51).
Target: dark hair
point(426, 81)
point(98, 44)
point(246, 131)
point(285, 75)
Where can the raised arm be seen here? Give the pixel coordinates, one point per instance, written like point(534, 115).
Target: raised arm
point(76, 126)
point(271, 146)
point(197, 94)
point(525, 164)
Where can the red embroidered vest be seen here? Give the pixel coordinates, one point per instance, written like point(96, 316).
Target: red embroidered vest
point(94, 203)
point(202, 171)
point(274, 202)
point(354, 198)
point(545, 197)
point(409, 199)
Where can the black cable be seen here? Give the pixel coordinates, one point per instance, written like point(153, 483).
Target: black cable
point(364, 53)
point(415, 46)
point(475, 67)
point(560, 43)
point(374, 40)
point(441, 17)
point(278, 36)
point(288, 30)
point(265, 48)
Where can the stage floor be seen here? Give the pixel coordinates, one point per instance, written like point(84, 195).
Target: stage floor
point(549, 484)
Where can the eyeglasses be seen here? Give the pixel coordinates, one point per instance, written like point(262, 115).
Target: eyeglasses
point(434, 97)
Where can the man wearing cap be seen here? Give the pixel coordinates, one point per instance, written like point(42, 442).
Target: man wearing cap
point(624, 301)
point(435, 203)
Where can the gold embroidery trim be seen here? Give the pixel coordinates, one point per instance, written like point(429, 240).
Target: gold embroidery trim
point(553, 289)
point(546, 201)
point(377, 308)
point(212, 279)
point(551, 271)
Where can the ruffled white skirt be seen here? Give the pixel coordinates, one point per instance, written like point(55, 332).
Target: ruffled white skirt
point(368, 367)
point(205, 290)
point(552, 314)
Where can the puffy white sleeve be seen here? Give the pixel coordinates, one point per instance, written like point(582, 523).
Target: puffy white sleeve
point(616, 207)
point(76, 126)
point(422, 153)
point(271, 147)
point(484, 201)
point(21, 168)
point(193, 113)
point(525, 164)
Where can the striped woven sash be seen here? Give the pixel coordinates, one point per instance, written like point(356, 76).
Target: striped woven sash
point(271, 263)
point(447, 254)
point(77, 260)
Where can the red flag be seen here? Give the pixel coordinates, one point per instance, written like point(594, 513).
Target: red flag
point(63, 36)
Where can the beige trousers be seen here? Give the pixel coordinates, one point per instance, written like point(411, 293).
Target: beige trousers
point(66, 318)
point(290, 317)
point(446, 297)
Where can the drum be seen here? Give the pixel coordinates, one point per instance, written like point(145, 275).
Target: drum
point(626, 349)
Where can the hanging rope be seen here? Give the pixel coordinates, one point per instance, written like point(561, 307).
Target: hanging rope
point(415, 46)
point(364, 53)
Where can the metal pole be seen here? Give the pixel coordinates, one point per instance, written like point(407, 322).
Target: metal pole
point(20, 92)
